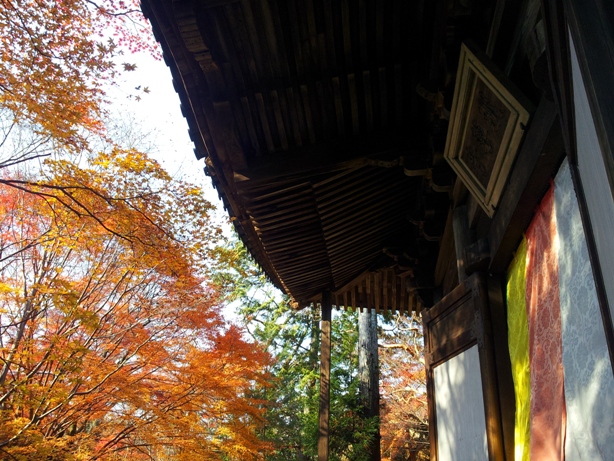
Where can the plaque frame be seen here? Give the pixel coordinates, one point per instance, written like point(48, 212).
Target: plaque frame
point(487, 122)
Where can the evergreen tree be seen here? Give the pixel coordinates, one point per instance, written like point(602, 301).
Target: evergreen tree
point(293, 338)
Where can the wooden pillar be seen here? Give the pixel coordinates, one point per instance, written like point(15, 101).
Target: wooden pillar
point(462, 239)
point(323, 434)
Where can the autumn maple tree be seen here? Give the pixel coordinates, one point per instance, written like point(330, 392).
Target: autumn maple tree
point(57, 57)
point(111, 339)
point(112, 344)
point(404, 409)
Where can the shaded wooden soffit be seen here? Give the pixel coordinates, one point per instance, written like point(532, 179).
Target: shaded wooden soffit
point(322, 233)
point(315, 137)
point(194, 79)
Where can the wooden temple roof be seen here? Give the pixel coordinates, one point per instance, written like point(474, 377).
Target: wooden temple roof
point(313, 131)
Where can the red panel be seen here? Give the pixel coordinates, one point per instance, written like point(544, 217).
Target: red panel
point(545, 347)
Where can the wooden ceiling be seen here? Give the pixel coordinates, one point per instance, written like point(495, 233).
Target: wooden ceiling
point(324, 153)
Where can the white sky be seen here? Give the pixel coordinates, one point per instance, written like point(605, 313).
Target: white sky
point(158, 114)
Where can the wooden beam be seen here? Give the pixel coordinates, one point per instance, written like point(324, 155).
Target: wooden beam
point(495, 25)
point(324, 427)
point(502, 32)
point(498, 320)
point(557, 48)
point(384, 150)
point(445, 252)
point(530, 11)
point(462, 239)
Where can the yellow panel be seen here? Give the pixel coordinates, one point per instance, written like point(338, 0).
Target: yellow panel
point(519, 350)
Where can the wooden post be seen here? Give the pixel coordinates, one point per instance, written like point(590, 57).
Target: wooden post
point(323, 434)
point(462, 239)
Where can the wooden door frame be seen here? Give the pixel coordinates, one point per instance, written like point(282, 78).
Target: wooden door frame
point(459, 321)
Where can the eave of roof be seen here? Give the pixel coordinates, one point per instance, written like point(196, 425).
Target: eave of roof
point(309, 121)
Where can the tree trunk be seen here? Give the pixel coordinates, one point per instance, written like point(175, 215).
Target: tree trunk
point(368, 371)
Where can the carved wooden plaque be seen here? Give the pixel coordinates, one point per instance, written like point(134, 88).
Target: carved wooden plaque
point(487, 123)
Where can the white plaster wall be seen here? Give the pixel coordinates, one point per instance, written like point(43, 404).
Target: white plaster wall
point(459, 406)
point(594, 180)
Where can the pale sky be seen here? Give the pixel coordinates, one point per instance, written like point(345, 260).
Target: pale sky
point(158, 114)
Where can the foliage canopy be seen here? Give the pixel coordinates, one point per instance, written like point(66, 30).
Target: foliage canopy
point(56, 58)
point(111, 340)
